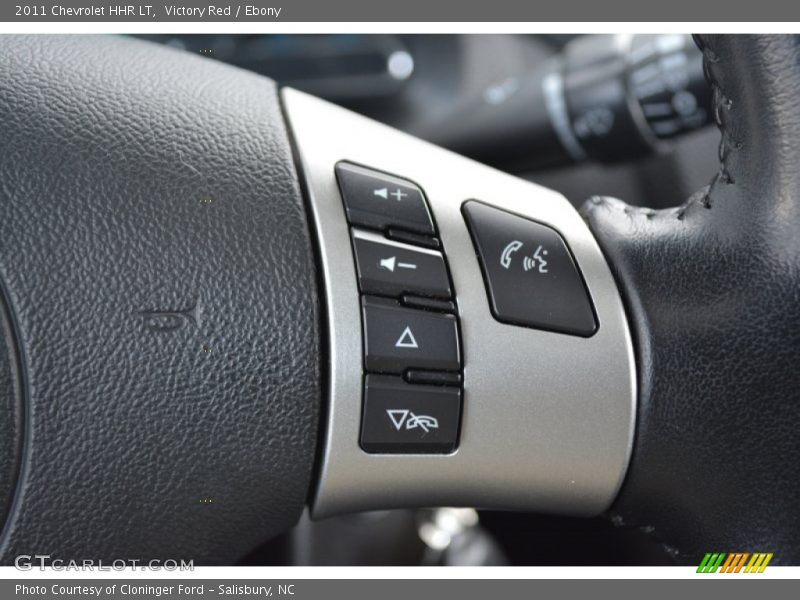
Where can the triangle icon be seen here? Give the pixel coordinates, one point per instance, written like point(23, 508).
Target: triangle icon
point(406, 339)
point(398, 417)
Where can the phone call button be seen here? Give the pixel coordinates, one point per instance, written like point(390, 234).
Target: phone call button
point(531, 277)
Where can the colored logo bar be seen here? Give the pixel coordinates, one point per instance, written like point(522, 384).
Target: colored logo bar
point(736, 562)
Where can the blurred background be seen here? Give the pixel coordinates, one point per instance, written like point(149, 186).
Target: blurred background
point(637, 107)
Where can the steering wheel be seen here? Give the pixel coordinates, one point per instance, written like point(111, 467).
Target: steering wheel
point(222, 303)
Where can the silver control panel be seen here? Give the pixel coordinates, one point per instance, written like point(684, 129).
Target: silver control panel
point(547, 407)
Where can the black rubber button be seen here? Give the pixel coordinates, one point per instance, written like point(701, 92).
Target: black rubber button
point(412, 301)
point(433, 377)
point(400, 418)
point(391, 268)
point(380, 201)
point(399, 338)
point(531, 278)
point(407, 237)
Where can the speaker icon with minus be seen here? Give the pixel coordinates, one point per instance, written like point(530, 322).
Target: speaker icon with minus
point(391, 263)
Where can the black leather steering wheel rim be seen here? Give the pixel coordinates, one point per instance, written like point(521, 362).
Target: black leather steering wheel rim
point(712, 292)
point(158, 267)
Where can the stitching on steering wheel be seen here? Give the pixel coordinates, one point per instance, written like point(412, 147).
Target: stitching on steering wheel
point(727, 146)
point(721, 102)
point(703, 196)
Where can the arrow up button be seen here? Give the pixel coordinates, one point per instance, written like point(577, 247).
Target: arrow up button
point(399, 338)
